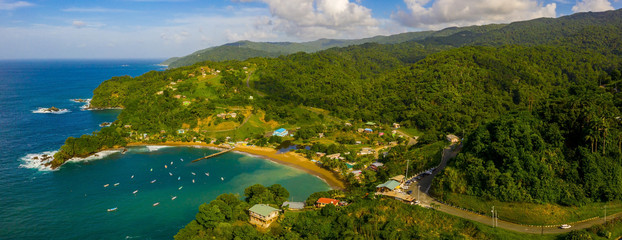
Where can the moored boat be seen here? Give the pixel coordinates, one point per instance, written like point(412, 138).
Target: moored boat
point(156, 204)
point(112, 209)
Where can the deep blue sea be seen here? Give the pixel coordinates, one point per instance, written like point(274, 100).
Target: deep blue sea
point(72, 202)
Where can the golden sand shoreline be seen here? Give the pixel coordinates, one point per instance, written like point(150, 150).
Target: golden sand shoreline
point(291, 159)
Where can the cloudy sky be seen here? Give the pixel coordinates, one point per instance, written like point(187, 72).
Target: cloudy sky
point(165, 28)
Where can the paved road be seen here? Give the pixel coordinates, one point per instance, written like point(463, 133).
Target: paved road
point(427, 201)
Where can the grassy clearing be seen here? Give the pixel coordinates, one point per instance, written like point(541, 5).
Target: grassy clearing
point(532, 213)
point(411, 131)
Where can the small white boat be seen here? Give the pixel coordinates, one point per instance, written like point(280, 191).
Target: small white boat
point(173, 198)
point(181, 187)
point(193, 173)
point(169, 173)
point(156, 204)
point(112, 209)
point(151, 170)
point(116, 184)
point(106, 185)
point(222, 178)
point(154, 180)
point(132, 177)
point(171, 163)
point(178, 178)
point(181, 159)
point(135, 191)
point(192, 180)
point(207, 174)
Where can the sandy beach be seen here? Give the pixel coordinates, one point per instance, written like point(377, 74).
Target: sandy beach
point(290, 158)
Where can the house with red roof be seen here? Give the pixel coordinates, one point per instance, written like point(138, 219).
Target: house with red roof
point(323, 201)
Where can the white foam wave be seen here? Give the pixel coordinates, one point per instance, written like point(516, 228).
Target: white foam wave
point(153, 148)
point(38, 161)
point(95, 156)
point(87, 103)
point(46, 110)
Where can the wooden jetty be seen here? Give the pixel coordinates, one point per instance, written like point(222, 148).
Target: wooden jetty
point(214, 155)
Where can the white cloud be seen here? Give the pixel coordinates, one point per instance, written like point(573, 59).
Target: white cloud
point(592, 6)
point(4, 5)
point(78, 23)
point(447, 13)
point(311, 19)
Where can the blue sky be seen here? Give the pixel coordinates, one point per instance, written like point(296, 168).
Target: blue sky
point(165, 28)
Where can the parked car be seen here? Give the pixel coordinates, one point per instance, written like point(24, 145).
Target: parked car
point(409, 192)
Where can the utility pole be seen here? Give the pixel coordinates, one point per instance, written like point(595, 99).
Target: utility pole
point(605, 213)
point(493, 216)
point(407, 161)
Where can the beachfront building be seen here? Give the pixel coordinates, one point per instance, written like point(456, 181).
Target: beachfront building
point(263, 215)
point(321, 202)
point(294, 205)
point(388, 186)
point(281, 132)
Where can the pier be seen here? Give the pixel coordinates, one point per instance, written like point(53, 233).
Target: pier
point(213, 155)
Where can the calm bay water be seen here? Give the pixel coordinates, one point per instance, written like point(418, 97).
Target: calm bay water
point(71, 203)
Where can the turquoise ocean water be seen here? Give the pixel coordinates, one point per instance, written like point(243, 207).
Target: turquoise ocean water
point(71, 202)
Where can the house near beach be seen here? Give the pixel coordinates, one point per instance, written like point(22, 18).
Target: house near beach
point(281, 132)
point(321, 202)
point(263, 215)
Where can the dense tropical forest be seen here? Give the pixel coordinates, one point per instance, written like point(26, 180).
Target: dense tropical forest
point(537, 104)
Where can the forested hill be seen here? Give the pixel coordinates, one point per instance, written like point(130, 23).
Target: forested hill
point(532, 32)
point(542, 122)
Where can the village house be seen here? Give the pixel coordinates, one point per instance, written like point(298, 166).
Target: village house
point(334, 156)
point(398, 178)
point(360, 130)
point(388, 186)
point(366, 151)
point(320, 154)
point(281, 132)
point(321, 202)
point(396, 125)
point(293, 205)
point(181, 131)
point(233, 115)
point(320, 135)
point(348, 124)
point(368, 130)
point(453, 138)
point(263, 215)
point(127, 126)
point(375, 166)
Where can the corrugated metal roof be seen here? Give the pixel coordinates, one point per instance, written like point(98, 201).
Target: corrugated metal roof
point(262, 209)
point(391, 184)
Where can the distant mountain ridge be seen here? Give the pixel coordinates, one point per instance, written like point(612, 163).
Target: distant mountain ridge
point(531, 32)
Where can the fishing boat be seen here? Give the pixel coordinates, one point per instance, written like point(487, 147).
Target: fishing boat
point(154, 180)
point(156, 204)
point(192, 180)
point(171, 163)
point(106, 185)
point(207, 174)
point(116, 184)
point(181, 187)
point(151, 170)
point(165, 166)
point(181, 159)
point(178, 178)
point(222, 178)
point(173, 198)
point(135, 191)
point(193, 173)
point(169, 173)
point(112, 209)
point(132, 177)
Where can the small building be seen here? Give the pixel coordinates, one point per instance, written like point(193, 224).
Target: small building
point(380, 134)
point(348, 124)
point(127, 126)
point(186, 103)
point(368, 130)
point(358, 142)
point(263, 215)
point(294, 205)
point(370, 123)
point(396, 125)
point(366, 151)
point(398, 178)
point(360, 130)
point(281, 132)
point(334, 156)
point(388, 186)
point(453, 138)
point(321, 202)
point(233, 115)
point(320, 135)
point(320, 154)
point(375, 166)
point(221, 115)
point(181, 131)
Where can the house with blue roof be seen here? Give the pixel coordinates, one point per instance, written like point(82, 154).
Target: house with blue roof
point(281, 132)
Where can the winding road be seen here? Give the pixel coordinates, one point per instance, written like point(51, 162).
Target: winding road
point(427, 201)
